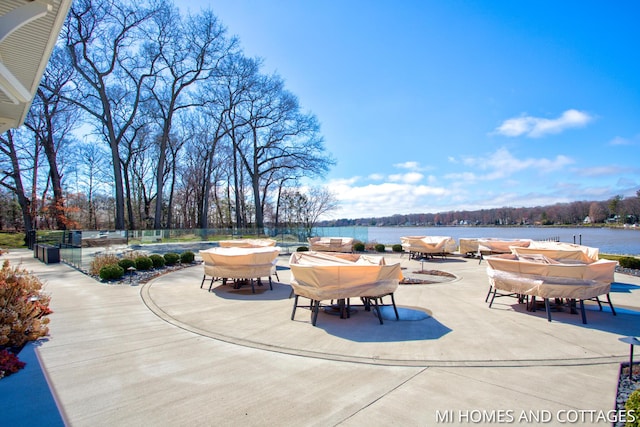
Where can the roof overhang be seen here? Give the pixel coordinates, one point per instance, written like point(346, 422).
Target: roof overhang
point(28, 32)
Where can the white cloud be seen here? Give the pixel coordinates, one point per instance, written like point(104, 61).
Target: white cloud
point(502, 163)
point(409, 178)
point(408, 165)
point(535, 127)
point(376, 177)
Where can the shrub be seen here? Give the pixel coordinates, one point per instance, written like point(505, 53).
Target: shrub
point(358, 247)
point(111, 272)
point(171, 258)
point(24, 307)
point(100, 261)
point(629, 262)
point(187, 257)
point(9, 363)
point(158, 260)
point(125, 263)
point(144, 263)
point(397, 248)
point(633, 406)
point(302, 249)
point(380, 247)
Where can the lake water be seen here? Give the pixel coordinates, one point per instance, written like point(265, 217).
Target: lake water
point(608, 240)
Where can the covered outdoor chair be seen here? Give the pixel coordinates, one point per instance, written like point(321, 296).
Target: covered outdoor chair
point(559, 251)
point(239, 264)
point(493, 246)
point(321, 277)
point(331, 244)
point(536, 275)
point(247, 243)
point(428, 246)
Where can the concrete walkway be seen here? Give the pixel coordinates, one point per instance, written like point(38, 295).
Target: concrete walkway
point(171, 353)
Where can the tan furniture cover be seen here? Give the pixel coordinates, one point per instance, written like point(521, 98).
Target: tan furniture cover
point(501, 246)
point(428, 244)
point(247, 243)
point(320, 276)
point(559, 251)
point(240, 263)
point(468, 245)
point(331, 244)
point(544, 277)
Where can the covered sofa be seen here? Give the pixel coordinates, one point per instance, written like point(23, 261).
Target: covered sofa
point(239, 264)
point(537, 275)
point(428, 246)
point(331, 244)
point(247, 243)
point(559, 251)
point(320, 277)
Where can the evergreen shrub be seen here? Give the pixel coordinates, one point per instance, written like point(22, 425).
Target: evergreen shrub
point(358, 247)
point(187, 257)
point(158, 260)
point(629, 262)
point(143, 263)
point(171, 258)
point(111, 272)
point(125, 263)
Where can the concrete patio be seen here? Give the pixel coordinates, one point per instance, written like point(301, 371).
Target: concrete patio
point(170, 353)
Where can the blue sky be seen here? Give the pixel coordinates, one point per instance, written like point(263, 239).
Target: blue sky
point(431, 106)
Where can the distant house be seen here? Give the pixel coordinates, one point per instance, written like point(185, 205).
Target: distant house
point(587, 220)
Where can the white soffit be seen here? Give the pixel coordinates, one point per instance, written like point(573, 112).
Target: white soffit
point(28, 33)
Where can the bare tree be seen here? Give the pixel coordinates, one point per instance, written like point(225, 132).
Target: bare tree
point(188, 51)
point(51, 120)
point(103, 40)
point(12, 177)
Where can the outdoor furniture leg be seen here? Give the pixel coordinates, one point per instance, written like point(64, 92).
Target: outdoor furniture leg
point(548, 307)
point(493, 297)
point(613, 310)
point(295, 305)
point(270, 284)
point(393, 301)
point(583, 313)
point(314, 311)
point(253, 289)
point(376, 307)
point(488, 293)
point(599, 303)
point(204, 276)
point(211, 283)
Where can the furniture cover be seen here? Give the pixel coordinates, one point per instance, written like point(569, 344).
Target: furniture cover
point(537, 275)
point(559, 251)
point(500, 246)
point(541, 276)
point(247, 243)
point(468, 246)
point(239, 263)
point(331, 244)
point(321, 276)
point(428, 244)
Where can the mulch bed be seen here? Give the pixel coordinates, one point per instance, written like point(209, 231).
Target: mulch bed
point(437, 276)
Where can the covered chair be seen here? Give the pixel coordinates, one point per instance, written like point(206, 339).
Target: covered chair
point(420, 246)
point(559, 251)
point(239, 263)
point(491, 246)
point(331, 244)
point(247, 243)
point(321, 277)
point(539, 276)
